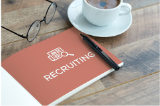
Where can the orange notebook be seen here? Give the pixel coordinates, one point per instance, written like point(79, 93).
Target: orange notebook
point(58, 67)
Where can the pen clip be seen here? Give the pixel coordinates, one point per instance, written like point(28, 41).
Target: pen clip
point(93, 44)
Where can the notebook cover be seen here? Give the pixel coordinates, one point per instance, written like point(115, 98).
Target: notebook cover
point(54, 67)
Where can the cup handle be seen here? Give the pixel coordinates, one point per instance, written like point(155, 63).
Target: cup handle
point(127, 6)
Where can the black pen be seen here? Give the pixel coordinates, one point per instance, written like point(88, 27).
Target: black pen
point(100, 52)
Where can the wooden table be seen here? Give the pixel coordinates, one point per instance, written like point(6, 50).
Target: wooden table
point(136, 83)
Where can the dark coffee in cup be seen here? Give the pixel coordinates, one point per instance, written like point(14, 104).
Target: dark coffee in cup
point(104, 4)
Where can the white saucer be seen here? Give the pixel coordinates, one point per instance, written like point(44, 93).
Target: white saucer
point(80, 22)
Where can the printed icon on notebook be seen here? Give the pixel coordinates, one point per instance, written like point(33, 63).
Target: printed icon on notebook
point(57, 54)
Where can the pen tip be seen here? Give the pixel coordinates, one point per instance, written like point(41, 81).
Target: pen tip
point(81, 34)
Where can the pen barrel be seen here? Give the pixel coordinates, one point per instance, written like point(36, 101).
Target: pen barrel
point(116, 67)
point(85, 39)
point(100, 52)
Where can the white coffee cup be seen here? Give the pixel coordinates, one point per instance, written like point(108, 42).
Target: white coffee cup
point(103, 17)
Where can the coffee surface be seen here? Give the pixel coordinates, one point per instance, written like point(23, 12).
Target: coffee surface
point(104, 4)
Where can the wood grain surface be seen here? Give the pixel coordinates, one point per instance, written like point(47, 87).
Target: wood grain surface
point(139, 92)
point(139, 60)
point(138, 48)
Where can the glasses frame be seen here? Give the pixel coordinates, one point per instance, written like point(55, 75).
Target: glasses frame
point(44, 19)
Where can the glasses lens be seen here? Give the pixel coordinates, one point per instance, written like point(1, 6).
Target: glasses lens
point(33, 31)
point(50, 13)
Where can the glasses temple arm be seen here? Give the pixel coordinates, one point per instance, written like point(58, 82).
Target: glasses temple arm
point(14, 32)
point(52, 2)
point(49, 1)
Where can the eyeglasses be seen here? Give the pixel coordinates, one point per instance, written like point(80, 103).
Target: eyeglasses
point(36, 25)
